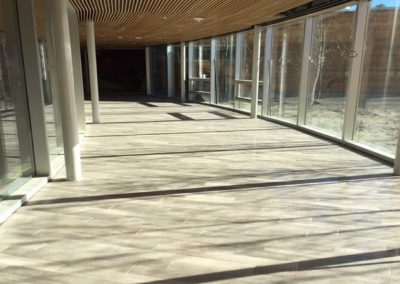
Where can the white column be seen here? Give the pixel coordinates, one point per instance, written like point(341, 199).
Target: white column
point(170, 70)
point(94, 88)
point(77, 64)
point(30, 51)
point(200, 60)
point(282, 83)
point(256, 71)
point(353, 87)
point(183, 72)
point(305, 69)
point(62, 42)
point(148, 72)
point(397, 159)
point(267, 71)
point(213, 80)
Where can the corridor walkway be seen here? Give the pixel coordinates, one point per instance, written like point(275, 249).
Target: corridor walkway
point(193, 194)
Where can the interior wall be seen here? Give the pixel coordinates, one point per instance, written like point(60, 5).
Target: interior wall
point(121, 73)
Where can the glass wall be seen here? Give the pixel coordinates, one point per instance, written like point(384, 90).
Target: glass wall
point(245, 42)
point(158, 61)
point(177, 71)
point(332, 43)
point(312, 84)
point(225, 70)
point(286, 63)
point(378, 114)
point(15, 133)
point(200, 70)
point(51, 106)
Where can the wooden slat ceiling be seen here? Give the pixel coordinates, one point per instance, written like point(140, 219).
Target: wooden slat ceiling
point(123, 23)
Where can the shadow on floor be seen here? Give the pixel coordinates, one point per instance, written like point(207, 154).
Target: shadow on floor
point(314, 264)
point(208, 189)
point(186, 132)
point(210, 151)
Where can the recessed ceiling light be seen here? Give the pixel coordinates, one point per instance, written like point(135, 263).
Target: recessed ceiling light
point(198, 19)
point(120, 37)
point(165, 18)
point(138, 37)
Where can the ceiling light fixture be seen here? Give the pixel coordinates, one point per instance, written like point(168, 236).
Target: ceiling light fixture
point(198, 19)
point(120, 37)
point(138, 37)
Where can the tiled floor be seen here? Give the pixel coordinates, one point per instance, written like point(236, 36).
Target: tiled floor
point(218, 198)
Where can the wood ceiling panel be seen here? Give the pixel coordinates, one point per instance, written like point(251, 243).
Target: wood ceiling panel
point(122, 23)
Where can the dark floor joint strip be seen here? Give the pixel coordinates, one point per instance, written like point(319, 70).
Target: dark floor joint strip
point(224, 115)
point(148, 104)
point(180, 116)
point(183, 104)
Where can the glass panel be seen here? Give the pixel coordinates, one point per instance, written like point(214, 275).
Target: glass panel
point(202, 58)
point(378, 115)
point(246, 64)
point(330, 63)
point(287, 55)
point(177, 71)
point(262, 51)
point(15, 134)
point(51, 107)
point(225, 69)
point(244, 90)
point(201, 90)
point(159, 80)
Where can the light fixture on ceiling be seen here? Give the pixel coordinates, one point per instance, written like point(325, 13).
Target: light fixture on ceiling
point(120, 37)
point(198, 19)
point(138, 37)
point(165, 18)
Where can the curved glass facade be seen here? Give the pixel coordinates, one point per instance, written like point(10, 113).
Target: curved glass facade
point(307, 73)
point(15, 132)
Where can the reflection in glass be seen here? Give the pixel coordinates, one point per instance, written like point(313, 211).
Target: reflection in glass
point(378, 115)
point(246, 57)
point(177, 71)
point(200, 83)
point(246, 41)
point(202, 59)
point(330, 62)
point(15, 137)
point(201, 90)
point(286, 64)
point(158, 69)
point(51, 107)
point(225, 70)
